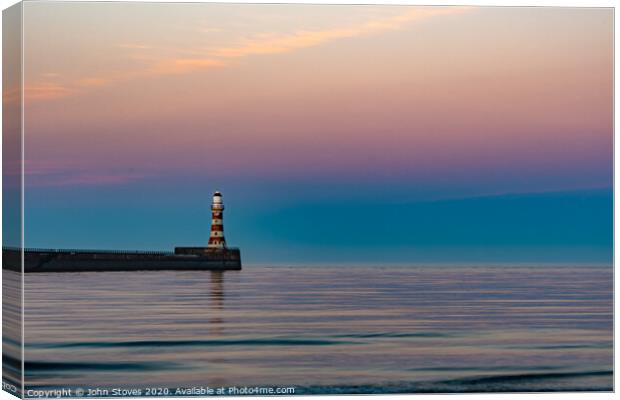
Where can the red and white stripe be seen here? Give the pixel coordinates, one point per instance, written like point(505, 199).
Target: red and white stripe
point(216, 239)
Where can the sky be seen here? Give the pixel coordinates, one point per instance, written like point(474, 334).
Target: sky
point(337, 134)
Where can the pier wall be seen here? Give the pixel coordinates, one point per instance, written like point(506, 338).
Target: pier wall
point(49, 260)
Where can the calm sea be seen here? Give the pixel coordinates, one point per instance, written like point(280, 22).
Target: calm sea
point(322, 329)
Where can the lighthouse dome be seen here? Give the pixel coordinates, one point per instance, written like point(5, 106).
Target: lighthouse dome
point(217, 198)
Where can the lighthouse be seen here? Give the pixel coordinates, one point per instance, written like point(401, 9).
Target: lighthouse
point(216, 239)
point(216, 252)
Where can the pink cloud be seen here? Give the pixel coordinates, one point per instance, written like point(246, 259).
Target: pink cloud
point(49, 174)
point(261, 44)
point(274, 44)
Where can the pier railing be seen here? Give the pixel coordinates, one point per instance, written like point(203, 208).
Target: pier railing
point(88, 251)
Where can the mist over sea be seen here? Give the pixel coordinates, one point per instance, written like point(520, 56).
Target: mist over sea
point(321, 329)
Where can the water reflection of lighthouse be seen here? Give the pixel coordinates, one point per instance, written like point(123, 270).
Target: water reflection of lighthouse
point(216, 301)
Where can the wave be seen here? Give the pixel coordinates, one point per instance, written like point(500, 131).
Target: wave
point(190, 343)
point(563, 346)
point(395, 335)
point(36, 367)
point(493, 368)
point(537, 382)
point(527, 377)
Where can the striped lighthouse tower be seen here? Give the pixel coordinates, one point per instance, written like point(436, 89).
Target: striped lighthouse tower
point(216, 239)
